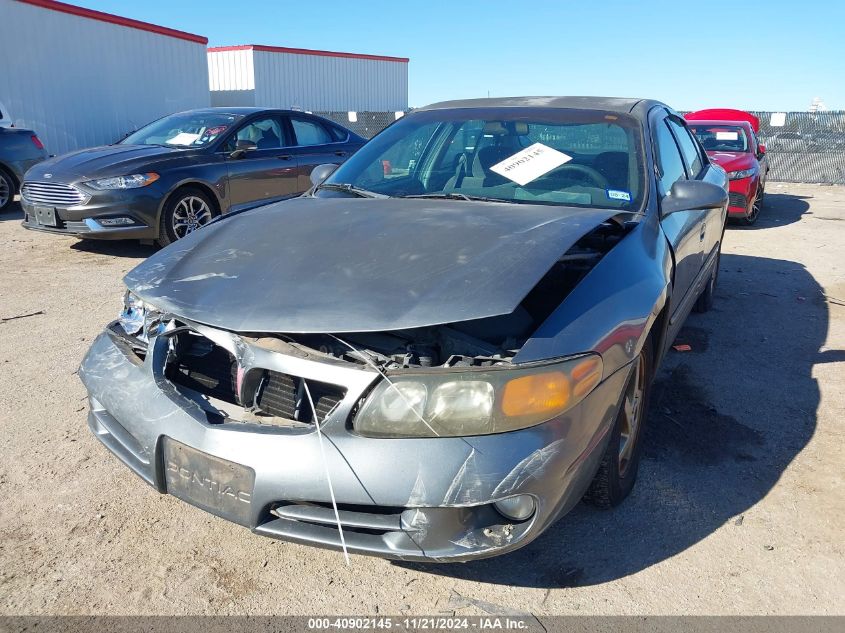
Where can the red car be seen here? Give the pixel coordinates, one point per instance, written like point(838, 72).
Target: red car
point(730, 139)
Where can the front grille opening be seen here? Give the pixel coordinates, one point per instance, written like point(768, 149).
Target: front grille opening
point(284, 396)
point(369, 520)
point(53, 194)
point(260, 396)
point(204, 367)
point(737, 200)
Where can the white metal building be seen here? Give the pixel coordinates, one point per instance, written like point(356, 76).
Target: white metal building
point(273, 76)
point(81, 78)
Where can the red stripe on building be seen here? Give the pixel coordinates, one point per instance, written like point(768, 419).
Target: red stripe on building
point(115, 19)
point(307, 51)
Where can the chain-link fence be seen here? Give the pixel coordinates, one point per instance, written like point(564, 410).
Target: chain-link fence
point(801, 146)
point(366, 124)
point(804, 146)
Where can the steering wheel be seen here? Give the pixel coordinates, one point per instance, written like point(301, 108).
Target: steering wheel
point(589, 173)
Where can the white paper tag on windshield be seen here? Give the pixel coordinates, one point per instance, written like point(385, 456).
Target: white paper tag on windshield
point(530, 163)
point(727, 136)
point(183, 138)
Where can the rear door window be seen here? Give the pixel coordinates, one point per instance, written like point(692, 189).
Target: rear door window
point(308, 132)
point(340, 135)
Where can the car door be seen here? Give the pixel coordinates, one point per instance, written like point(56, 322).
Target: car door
point(314, 144)
point(265, 172)
point(683, 229)
point(698, 168)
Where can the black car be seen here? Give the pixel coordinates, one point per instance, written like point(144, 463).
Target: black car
point(176, 174)
point(19, 150)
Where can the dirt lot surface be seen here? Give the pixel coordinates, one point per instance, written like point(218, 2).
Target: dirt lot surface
point(739, 507)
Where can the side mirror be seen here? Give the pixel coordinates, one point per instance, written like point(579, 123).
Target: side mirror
point(321, 172)
point(688, 195)
point(242, 147)
point(761, 149)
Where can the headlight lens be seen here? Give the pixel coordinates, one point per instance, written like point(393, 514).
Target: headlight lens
point(475, 402)
point(743, 173)
point(138, 318)
point(124, 182)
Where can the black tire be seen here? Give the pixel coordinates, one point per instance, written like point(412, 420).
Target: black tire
point(751, 217)
point(184, 201)
point(705, 299)
point(621, 460)
point(8, 189)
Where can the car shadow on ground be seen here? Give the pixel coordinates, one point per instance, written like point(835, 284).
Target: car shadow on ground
point(115, 248)
point(13, 213)
point(727, 417)
point(779, 209)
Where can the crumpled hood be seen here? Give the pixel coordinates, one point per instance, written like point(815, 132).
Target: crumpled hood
point(105, 161)
point(312, 265)
point(733, 161)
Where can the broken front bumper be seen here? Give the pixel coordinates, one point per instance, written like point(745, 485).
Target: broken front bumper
point(410, 499)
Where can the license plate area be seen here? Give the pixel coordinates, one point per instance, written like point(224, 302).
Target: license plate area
point(45, 216)
point(213, 484)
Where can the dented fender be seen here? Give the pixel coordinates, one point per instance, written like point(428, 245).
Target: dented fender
point(612, 310)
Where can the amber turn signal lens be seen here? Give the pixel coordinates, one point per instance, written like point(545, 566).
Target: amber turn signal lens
point(585, 376)
point(540, 393)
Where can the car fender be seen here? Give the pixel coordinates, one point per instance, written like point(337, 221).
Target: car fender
point(614, 307)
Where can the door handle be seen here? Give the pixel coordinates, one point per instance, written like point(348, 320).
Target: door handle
point(284, 157)
point(340, 152)
point(703, 230)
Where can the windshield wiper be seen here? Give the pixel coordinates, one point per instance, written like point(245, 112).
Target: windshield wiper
point(346, 187)
point(456, 196)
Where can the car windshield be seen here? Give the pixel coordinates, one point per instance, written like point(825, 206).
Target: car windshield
point(186, 129)
point(721, 138)
point(566, 157)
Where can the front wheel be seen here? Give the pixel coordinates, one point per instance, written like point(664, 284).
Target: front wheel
point(186, 211)
point(756, 206)
point(621, 460)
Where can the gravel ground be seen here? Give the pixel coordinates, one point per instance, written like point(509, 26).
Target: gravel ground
point(739, 507)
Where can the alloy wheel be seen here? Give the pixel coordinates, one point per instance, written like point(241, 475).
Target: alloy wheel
point(5, 190)
point(190, 214)
point(755, 210)
point(632, 415)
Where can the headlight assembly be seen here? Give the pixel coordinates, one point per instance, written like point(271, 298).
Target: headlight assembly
point(138, 319)
point(475, 402)
point(743, 173)
point(124, 182)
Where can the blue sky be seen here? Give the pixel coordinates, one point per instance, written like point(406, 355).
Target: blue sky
point(763, 55)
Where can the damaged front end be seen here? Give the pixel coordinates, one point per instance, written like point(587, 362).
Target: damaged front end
point(439, 444)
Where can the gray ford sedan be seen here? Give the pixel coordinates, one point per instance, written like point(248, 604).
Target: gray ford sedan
point(178, 173)
point(437, 351)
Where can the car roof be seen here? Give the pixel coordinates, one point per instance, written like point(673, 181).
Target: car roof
point(242, 110)
point(639, 108)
